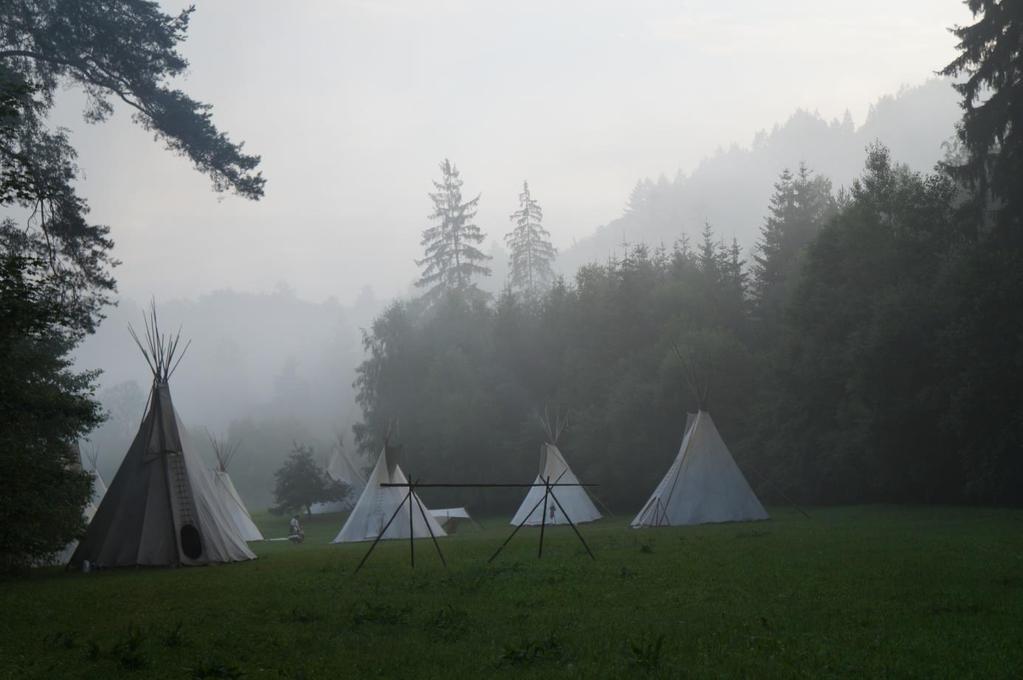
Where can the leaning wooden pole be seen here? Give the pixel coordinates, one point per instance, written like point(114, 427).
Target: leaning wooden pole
point(515, 531)
point(379, 537)
point(572, 524)
point(543, 520)
point(422, 511)
point(411, 530)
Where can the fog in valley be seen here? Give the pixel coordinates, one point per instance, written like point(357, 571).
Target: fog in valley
point(635, 126)
point(590, 338)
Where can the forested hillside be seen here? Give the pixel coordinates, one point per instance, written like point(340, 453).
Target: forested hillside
point(731, 188)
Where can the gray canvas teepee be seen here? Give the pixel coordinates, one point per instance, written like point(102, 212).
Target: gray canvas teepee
point(161, 508)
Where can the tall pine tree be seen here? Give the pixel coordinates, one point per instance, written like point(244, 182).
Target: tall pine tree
point(800, 206)
point(451, 257)
point(991, 56)
point(531, 251)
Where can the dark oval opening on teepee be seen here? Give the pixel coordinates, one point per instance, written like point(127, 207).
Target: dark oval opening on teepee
point(191, 542)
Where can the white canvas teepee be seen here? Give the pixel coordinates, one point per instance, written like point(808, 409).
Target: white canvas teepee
point(161, 508)
point(340, 468)
point(99, 487)
point(377, 505)
point(225, 453)
point(702, 485)
point(573, 499)
point(99, 490)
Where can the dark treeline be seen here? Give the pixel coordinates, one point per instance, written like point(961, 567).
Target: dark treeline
point(869, 352)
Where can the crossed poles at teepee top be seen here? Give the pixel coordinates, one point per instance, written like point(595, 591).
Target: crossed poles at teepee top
point(411, 497)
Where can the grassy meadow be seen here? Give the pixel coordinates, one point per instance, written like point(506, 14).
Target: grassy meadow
point(860, 591)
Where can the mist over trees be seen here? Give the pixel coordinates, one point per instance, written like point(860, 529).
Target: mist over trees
point(265, 369)
point(854, 308)
point(870, 353)
point(531, 254)
point(272, 370)
point(731, 188)
point(452, 259)
point(301, 482)
point(840, 371)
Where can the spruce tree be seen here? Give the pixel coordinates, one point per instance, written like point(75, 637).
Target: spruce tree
point(800, 206)
point(531, 250)
point(769, 250)
point(991, 56)
point(709, 257)
point(451, 257)
point(736, 277)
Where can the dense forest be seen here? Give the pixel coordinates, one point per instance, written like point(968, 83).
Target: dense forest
point(869, 352)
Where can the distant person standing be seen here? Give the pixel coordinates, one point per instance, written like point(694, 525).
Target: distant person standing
point(297, 535)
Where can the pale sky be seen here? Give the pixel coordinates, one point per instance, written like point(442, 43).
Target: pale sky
point(353, 104)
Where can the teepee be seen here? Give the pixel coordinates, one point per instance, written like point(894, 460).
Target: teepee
point(702, 485)
point(377, 505)
point(225, 453)
point(161, 508)
point(340, 468)
point(99, 490)
point(554, 469)
point(99, 487)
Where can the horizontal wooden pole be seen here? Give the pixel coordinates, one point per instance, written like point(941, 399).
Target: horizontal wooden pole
point(468, 485)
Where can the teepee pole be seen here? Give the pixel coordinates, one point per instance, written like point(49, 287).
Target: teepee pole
point(595, 497)
point(572, 524)
point(436, 545)
point(521, 524)
point(411, 531)
point(543, 520)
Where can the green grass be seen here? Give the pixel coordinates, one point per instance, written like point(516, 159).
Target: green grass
point(863, 592)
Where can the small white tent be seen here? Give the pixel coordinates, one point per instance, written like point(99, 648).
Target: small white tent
point(378, 504)
point(574, 499)
point(451, 518)
point(229, 497)
point(702, 485)
point(340, 468)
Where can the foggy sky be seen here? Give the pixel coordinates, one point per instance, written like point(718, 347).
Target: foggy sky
point(353, 104)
